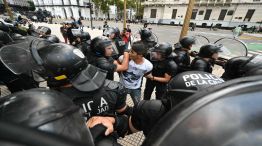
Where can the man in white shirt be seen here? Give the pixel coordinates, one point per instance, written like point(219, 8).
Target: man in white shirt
point(137, 68)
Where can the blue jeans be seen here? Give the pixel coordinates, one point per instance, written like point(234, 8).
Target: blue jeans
point(135, 95)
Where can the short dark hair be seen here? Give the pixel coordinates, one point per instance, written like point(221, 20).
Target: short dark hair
point(139, 48)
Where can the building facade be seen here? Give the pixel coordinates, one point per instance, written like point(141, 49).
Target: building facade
point(16, 5)
point(226, 13)
point(72, 8)
point(65, 8)
point(21, 3)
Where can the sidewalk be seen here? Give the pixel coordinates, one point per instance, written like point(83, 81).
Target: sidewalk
point(259, 35)
point(253, 36)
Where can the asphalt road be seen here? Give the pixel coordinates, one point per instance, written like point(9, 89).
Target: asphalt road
point(167, 33)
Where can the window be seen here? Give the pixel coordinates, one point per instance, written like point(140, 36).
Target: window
point(174, 14)
point(208, 13)
point(249, 14)
point(230, 12)
point(194, 13)
point(222, 14)
point(153, 13)
point(201, 12)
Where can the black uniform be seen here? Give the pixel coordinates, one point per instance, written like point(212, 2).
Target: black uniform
point(148, 112)
point(201, 65)
point(182, 60)
point(159, 69)
point(65, 65)
point(13, 64)
point(4, 38)
point(70, 35)
point(103, 101)
point(162, 59)
point(14, 82)
point(120, 45)
point(98, 58)
point(105, 63)
point(182, 50)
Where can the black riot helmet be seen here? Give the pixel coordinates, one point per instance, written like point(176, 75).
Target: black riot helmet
point(117, 32)
point(52, 38)
point(228, 114)
point(187, 41)
point(62, 63)
point(98, 45)
point(146, 35)
point(243, 66)
point(44, 30)
point(109, 31)
point(165, 49)
point(208, 50)
point(188, 83)
point(46, 110)
point(4, 27)
point(84, 36)
point(5, 38)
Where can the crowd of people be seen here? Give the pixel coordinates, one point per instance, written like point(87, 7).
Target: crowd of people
point(85, 103)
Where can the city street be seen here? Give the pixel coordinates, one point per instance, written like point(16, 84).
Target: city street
point(167, 33)
point(205, 94)
point(164, 34)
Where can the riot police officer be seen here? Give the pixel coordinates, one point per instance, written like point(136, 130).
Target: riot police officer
point(44, 31)
point(4, 38)
point(243, 66)
point(58, 115)
point(227, 114)
point(182, 49)
point(120, 44)
point(164, 68)
point(52, 38)
point(147, 38)
point(15, 64)
point(105, 26)
point(82, 41)
point(111, 34)
point(206, 58)
point(66, 70)
point(101, 48)
point(147, 113)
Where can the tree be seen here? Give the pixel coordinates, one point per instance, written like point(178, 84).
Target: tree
point(103, 5)
point(31, 5)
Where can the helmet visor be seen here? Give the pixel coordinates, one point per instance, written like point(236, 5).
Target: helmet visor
point(18, 57)
point(156, 56)
point(89, 79)
point(231, 48)
point(109, 31)
point(199, 42)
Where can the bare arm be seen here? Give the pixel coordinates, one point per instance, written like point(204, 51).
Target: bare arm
point(124, 65)
point(164, 79)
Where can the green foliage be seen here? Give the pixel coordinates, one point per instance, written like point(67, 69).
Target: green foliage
point(103, 5)
point(131, 4)
point(31, 5)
